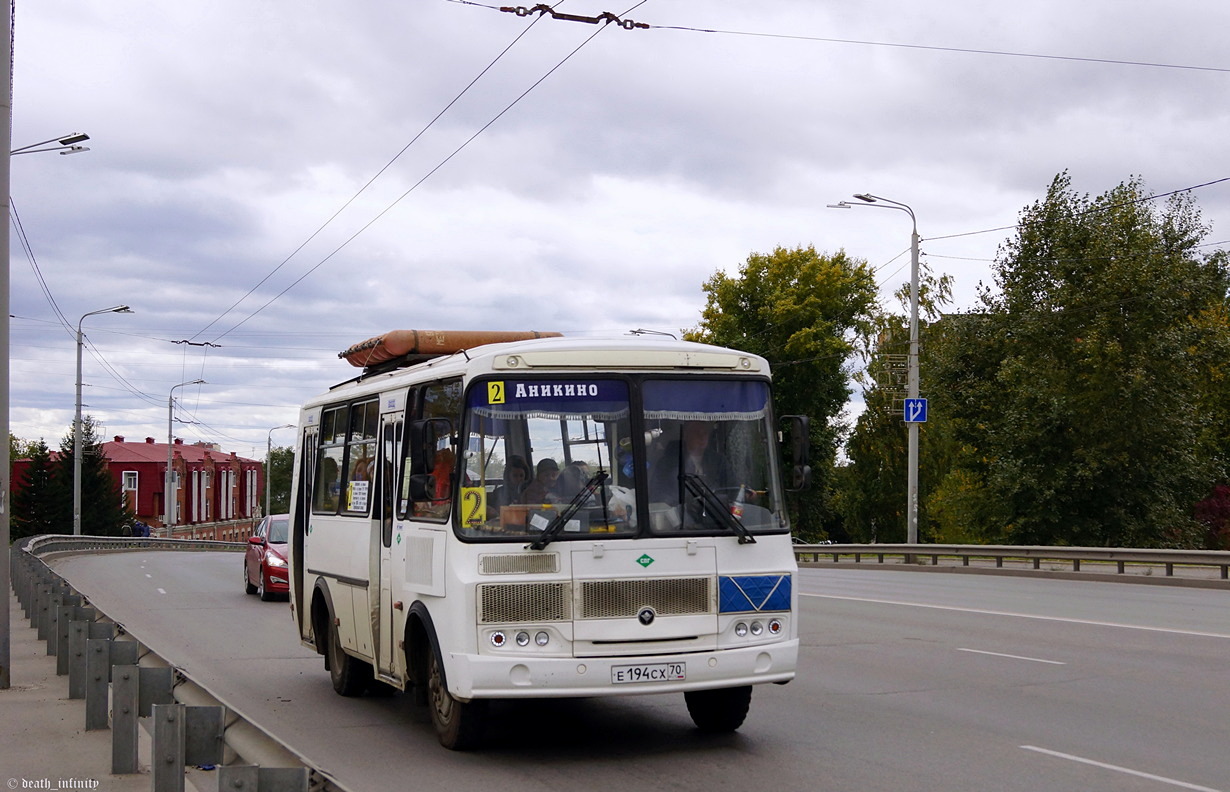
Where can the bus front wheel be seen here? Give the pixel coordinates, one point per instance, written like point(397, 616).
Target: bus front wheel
point(458, 724)
point(721, 710)
point(349, 675)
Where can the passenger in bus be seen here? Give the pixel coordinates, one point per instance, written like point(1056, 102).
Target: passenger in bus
point(542, 488)
point(363, 468)
point(516, 476)
point(330, 485)
point(571, 479)
point(442, 475)
point(692, 447)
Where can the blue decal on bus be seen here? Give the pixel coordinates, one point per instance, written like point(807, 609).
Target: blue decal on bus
point(753, 593)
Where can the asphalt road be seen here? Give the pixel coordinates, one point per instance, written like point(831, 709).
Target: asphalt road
point(907, 682)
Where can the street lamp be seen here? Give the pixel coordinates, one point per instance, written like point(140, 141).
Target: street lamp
point(65, 144)
point(77, 419)
point(912, 374)
point(269, 460)
point(168, 507)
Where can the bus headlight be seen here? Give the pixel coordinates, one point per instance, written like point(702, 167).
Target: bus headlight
point(757, 628)
point(775, 627)
point(741, 629)
point(541, 638)
point(523, 638)
point(498, 639)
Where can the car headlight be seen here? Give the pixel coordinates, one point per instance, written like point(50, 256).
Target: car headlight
point(274, 561)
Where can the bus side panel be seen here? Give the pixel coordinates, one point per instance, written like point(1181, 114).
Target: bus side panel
point(333, 550)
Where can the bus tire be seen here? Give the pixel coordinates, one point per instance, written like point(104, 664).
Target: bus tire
point(459, 724)
point(349, 675)
point(721, 710)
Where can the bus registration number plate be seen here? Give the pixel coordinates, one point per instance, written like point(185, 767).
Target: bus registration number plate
point(649, 672)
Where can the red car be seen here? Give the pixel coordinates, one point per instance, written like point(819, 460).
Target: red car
point(264, 564)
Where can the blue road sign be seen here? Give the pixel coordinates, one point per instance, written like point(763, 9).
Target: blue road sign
point(915, 410)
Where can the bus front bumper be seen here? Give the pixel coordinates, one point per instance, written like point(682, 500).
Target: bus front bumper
point(485, 676)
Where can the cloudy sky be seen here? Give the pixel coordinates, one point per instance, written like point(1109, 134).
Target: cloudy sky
point(589, 181)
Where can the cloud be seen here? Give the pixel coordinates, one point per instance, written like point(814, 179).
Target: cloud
point(224, 135)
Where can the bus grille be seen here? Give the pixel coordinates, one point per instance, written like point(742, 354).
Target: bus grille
point(616, 599)
point(505, 603)
point(509, 564)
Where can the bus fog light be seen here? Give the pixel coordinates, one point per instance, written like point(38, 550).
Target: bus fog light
point(498, 638)
point(541, 638)
point(757, 628)
point(775, 627)
point(741, 629)
point(523, 638)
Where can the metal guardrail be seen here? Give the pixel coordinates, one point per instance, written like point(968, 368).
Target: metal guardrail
point(62, 543)
point(189, 724)
point(1123, 558)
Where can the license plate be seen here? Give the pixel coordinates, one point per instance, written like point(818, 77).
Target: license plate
point(649, 672)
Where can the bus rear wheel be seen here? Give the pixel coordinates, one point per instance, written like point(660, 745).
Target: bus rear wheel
point(721, 710)
point(459, 724)
point(349, 675)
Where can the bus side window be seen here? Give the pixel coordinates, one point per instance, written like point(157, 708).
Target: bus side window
point(428, 471)
point(328, 474)
point(388, 464)
point(405, 468)
point(361, 445)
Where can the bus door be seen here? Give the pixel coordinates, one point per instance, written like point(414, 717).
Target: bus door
point(301, 505)
point(384, 627)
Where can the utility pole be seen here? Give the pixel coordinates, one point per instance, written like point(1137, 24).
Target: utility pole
point(915, 408)
point(5, 468)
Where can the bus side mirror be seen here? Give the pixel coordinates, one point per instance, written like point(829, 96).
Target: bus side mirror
point(424, 439)
point(799, 434)
point(420, 487)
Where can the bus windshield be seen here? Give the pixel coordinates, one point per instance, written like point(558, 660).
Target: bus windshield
point(571, 458)
point(710, 454)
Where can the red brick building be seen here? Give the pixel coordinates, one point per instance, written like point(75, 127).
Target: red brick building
point(210, 485)
point(220, 486)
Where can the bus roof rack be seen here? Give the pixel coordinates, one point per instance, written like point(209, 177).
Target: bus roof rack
point(401, 348)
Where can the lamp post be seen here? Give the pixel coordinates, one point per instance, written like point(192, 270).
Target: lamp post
point(77, 419)
point(65, 144)
point(168, 496)
point(6, 136)
point(912, 371)
point(269, 460)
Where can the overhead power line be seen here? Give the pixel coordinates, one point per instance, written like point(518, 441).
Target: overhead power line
point(628, 24)
point(418, 183)
point(363, 189)
point(1090, 210)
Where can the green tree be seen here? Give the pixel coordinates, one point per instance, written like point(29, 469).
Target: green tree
point(21, 449)
point(281, 464)
point(806, 313)
point(102, 506)
point(37, 506)
point(1082, 393)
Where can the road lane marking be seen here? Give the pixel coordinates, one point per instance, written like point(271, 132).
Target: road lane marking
point(1118, 769)
point(1012, 656)
point(162, 591)
point(148, 575)
point(1020, 615)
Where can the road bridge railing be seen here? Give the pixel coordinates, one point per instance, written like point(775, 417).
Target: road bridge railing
point(1181, 567)
point(123, 681)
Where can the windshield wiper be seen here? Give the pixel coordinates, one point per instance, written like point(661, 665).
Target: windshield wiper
point(711, 503)
point(557, 524)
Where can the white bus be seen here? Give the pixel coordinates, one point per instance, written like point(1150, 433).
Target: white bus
point(549, 517)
